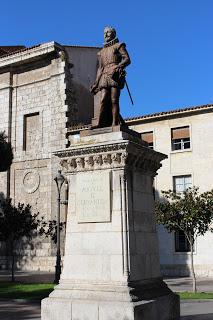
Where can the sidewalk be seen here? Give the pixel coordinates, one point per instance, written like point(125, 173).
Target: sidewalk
point(22, 310)
point(185, 284)
point(19, 310)
point(28, 277)
point(196, 310)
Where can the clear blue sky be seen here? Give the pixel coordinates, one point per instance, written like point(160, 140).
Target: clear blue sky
point(170, 43)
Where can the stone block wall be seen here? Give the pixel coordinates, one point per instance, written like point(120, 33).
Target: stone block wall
point(4, 118)
point(38, 127)
point(38, 94)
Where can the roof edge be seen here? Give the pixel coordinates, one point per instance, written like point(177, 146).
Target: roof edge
point(169, 113)
point(79, 46)
point(29, 53)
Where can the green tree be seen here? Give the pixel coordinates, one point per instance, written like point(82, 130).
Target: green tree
point(6, 153)
point(190, 212)
point(49, 229)
point(16, 223)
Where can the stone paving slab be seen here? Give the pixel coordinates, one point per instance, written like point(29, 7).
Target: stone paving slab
point(19, 310)
point(28, 277)
point(197, 310)
point(26, 310)
point(185, 284)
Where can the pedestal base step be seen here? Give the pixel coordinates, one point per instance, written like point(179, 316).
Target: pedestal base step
point(161, 308)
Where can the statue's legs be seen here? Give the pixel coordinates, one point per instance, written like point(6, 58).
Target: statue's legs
point(115, 94)
point(109, 107)
point(104, 106)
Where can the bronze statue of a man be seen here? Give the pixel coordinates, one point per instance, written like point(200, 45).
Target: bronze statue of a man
point(110, 79)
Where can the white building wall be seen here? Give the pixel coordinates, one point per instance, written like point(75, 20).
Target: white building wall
point(197, 162)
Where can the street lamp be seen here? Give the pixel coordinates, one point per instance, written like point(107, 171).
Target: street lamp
point(59, 179)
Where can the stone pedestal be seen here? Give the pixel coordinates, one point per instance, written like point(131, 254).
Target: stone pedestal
point(111, 264)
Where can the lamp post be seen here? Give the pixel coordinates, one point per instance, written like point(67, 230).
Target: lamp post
point(59, 179)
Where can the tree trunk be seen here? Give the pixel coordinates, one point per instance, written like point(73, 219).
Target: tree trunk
point(192, 268)
point(12, 263)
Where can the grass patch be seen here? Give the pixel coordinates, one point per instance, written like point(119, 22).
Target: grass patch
point(31, 291)
point(39, 291)
point(197, 295)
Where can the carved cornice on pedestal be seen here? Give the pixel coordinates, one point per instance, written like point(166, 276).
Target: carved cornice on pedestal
point(114, 155)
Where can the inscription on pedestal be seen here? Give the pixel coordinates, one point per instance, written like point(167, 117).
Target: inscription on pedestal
point(93, 197)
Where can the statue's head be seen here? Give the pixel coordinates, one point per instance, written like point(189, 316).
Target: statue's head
point(109, 34)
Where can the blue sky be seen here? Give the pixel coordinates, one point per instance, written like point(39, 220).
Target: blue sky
point(169, 41)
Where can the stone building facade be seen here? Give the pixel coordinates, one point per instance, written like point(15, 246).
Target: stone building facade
point(45, 102)
point(43, 90)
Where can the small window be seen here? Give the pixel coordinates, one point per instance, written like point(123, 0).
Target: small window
point(181, 242)
point(181, 183)
point(180, 138)
point(148, 137)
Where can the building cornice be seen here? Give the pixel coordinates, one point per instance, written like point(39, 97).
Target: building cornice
point(29, 54)
point(170, 114)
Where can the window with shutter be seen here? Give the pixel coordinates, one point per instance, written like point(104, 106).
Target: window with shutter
point(180, 138)
point(148, 137)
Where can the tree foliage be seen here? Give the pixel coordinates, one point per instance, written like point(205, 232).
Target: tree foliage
point(190, 212)
point(6, 153)
point(49, 229)
point(16, 222)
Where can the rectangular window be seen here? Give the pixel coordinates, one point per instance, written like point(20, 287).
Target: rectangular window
point(148, 137)
point(181, 242)
point(180, 138)
point(180, 184)
point(31, 132)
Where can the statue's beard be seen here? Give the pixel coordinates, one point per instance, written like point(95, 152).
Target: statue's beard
point(108, 39)
point(111, 42)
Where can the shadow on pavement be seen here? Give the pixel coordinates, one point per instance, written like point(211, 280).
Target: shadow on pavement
point(178, 284)
point(25, 277)
point(208, 316)
point(13, 310)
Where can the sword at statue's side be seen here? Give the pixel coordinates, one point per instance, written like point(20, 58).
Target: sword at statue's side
point(129, 92)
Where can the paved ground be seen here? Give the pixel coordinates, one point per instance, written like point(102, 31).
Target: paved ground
point(197, 310)
point(185, 284)
point(19, 310)
point(28, 277)
point(22, 310)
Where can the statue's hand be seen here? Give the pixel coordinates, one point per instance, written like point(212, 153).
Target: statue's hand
point(120, 70)
point(94, 89)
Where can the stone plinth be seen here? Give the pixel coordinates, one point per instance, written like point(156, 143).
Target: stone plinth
point(111, 264)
